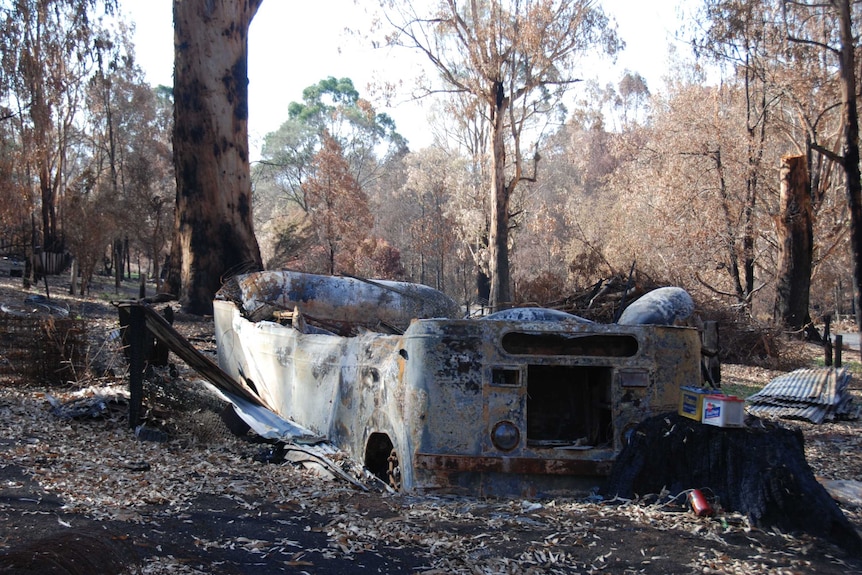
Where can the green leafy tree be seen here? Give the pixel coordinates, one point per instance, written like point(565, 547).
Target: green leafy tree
point(332, 106)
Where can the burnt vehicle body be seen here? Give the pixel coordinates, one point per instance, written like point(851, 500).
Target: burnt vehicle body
point(525, 401)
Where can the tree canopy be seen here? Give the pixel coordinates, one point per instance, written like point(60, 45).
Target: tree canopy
point(540, 182)
point(516, 59)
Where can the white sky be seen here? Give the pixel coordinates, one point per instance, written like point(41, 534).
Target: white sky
point(294, 44)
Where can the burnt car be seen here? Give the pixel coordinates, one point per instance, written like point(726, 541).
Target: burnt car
point(526, 401)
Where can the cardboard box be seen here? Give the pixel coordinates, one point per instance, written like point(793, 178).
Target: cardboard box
point(691, 401)
point(723, 410)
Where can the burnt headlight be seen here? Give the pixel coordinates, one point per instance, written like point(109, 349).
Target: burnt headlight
point(505, 436)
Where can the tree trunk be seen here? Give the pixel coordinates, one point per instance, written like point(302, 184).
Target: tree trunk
point(119, 264)
point(850, 121)
point(498, 242)
point(156, 274)
point(73, 277)
point(40, 114)
point(213, 232)
point(730, 233)
point(794, 228)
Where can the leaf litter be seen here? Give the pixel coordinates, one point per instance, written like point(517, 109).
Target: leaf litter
point(100, 470)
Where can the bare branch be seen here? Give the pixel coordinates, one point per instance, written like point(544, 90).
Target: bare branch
point(712, 288)
point(828, 153)
point(813, 43)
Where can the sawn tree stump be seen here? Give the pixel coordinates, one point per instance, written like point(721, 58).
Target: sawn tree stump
point(759, 470)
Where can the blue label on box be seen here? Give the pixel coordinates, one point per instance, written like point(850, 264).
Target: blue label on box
point(689, 404)
point(712, 410)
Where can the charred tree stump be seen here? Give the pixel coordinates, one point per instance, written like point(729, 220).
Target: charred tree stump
point(760, 471)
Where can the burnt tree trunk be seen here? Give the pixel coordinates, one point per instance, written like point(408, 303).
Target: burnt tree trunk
point(213, 232)
point(757, 470)
point(500, 296)
point(795, 233)
point(850, 147)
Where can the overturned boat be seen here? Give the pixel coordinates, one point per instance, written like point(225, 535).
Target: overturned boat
point(526, 401)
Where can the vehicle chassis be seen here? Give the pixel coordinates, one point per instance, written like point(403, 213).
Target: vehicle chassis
point(525, 402)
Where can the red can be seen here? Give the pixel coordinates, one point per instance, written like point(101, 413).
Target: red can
point(699, 504)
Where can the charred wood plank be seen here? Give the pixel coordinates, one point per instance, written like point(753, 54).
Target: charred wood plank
point(136, 333)
point(164, 332)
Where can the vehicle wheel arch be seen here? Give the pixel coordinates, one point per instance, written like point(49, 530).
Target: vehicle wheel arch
point(381, 458)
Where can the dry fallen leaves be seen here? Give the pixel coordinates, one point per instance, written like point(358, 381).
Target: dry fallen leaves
point(95, 466)
point(100, 470)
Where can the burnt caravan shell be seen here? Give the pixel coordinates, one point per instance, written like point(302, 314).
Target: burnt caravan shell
point(522, 403)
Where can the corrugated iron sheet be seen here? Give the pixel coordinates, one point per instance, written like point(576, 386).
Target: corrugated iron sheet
point(816, 394)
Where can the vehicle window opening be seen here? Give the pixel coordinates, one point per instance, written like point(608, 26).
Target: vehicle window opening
point(502, 377)
point(569, 406)
point(571, 345)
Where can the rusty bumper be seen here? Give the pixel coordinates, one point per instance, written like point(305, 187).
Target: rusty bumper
point(514, 465)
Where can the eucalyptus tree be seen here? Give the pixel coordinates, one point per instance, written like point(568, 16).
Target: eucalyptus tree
point(337, 207)
point(213, 230)
point(48, 53)
point(633, 97)
point(460, 130)
point(147, 183)
point(434, 177)
point(796, 63)
point(16, 200)
point(127, 190)
point(335, 107)
point(686, 176)
point(331, 109)
point(516, 58)
point(837, 35)
point(742, 38)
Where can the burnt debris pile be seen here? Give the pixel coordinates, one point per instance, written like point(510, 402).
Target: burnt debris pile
point(603, 301)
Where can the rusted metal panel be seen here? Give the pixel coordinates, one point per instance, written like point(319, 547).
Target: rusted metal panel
point(520, 465)
point(508, 398)
point(374, 304)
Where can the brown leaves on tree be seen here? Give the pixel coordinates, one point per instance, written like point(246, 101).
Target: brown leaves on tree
point(337, 207)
